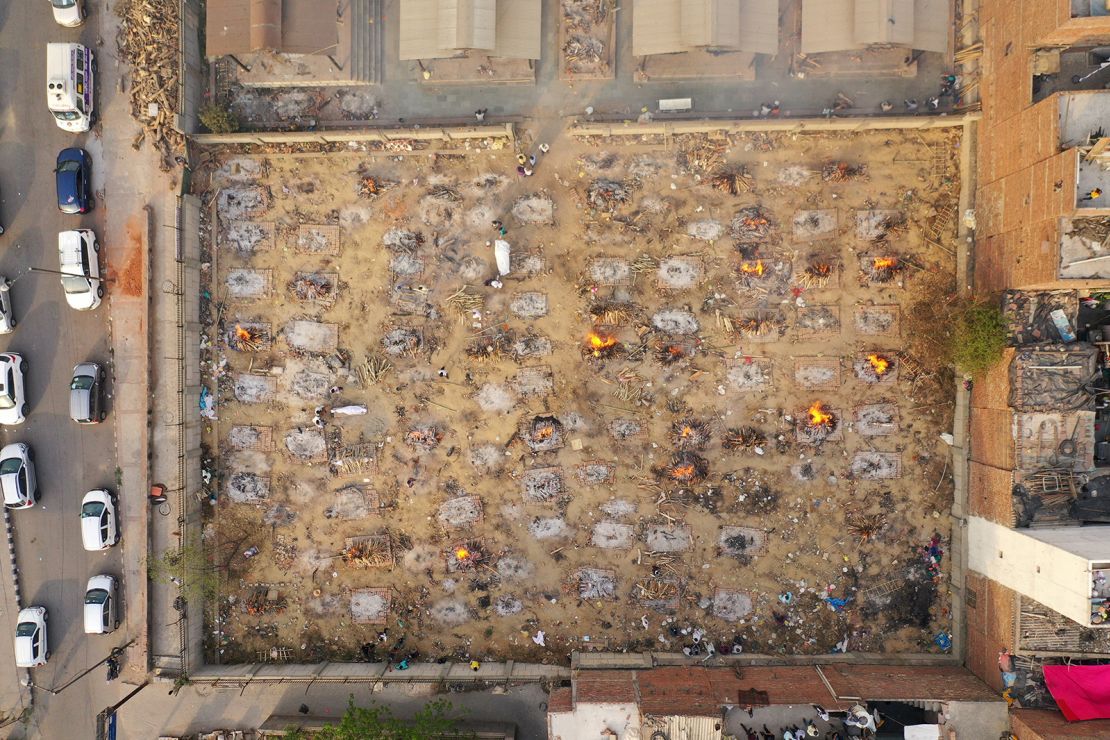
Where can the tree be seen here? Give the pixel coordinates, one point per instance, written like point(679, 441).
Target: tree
point(218, 120)
point(979, 338)
point(188, 567)
point(379, 723)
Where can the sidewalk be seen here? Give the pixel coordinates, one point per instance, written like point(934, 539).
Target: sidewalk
point(15, 696)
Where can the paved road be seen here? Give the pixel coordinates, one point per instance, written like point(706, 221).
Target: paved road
point(71, 459)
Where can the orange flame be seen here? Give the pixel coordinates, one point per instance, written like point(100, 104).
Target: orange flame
point(686, 431)
point(241, 333)
point(676, 350)
point(752, 268)
point(683, 472)
point(818, 416)
point(599, 342)
point(884, 263)
point(543, 433)
point(462, 553)
point(879, 363)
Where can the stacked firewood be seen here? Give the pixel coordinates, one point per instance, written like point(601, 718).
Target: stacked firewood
point(148, 42)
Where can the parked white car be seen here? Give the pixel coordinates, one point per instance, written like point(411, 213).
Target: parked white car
point(80, 268)
point(98, 520)
point(7, 314)
point(68, 13)
point(17, 476)
point(30, 637)
point(101, 614)
point(13, 399)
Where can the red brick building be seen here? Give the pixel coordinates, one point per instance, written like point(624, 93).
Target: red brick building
point(1041, 149)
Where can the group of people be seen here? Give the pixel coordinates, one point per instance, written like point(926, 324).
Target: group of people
point(859, 722)
point(526, 163)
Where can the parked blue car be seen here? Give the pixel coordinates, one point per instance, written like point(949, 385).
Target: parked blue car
point(73, 176)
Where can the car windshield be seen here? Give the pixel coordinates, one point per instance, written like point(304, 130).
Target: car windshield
point(75, 284)
point(10, 465)
point(66, 115)
point(63, 3)
point(70, 165)
point(96, 596)
point(81, 383)
point(92, 509)
point(25, 629)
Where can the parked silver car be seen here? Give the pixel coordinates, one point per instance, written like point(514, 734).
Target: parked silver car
point(86, 394)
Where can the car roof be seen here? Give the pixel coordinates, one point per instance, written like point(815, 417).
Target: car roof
point(103, 581)
point(8, 484)
point(72, 153)
point(93, 617)
point(12, 449)
point(97, 494)
point(70, 243)
point(23, 654)
point(90, 531)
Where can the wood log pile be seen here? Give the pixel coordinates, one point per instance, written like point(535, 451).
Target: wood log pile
point(733, 181)
point(148, 42)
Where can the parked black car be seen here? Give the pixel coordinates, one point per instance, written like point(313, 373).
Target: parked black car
point(73, 177)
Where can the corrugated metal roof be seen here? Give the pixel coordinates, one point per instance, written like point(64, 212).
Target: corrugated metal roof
point(884, 22)
point(290, 26)
point(671, 26)
point(440, 29)
point(843, 25)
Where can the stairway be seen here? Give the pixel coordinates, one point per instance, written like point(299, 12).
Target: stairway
point(366, 41)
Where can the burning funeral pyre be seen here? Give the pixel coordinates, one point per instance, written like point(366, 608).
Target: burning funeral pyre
point(370, 186)
point(733, 182)
point(606, 195)
point(690, 434)
point(881, 269)
point(875, 367)
point(600, 345)
point(464, 556)
point(368, 552)
point(752, 269)
point(816, 275)
point(818, 424)
point(248, 338)
point(685, 468)
point(425, 438)
point(751, 225)
point(843, 172)
point(668, 353)
point(744, 438)
point(544, 433)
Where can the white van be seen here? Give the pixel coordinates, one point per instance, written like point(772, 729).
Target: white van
point(69, 85)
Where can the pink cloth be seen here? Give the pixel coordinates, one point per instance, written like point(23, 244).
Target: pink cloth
point(1081, 691)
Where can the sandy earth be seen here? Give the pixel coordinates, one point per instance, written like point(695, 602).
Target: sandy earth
point(541, 485)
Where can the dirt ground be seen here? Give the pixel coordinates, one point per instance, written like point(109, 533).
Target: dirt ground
point(620, 455)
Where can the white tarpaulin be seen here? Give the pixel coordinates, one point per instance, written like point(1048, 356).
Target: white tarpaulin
point(501, 253)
